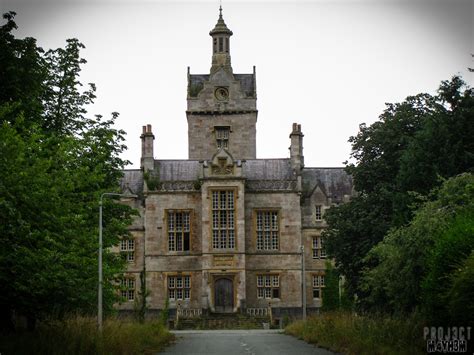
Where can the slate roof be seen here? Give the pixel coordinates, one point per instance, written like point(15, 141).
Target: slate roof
point(247, 82)
point(268, 169)
point(178, 170)
point(334, 182)
point(132, 181)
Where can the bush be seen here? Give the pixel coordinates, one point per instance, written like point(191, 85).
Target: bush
point(79, 335)
point(353, 334)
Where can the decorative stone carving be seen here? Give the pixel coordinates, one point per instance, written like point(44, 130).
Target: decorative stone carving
point(271, 185)
point(178, 186)
point(222, 168)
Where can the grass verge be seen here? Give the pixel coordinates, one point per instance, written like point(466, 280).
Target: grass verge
point(79, 335)
point(351, 334)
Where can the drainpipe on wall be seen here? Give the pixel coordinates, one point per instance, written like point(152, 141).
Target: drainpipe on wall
point(303, 283)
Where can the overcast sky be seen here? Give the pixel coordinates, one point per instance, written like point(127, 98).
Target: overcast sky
point(328, 65)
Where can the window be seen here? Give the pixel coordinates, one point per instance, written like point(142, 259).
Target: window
point(179, 230)
point(319, 213)
point(318, 285)
point(267, 230)
point(222, 137)
point(127, 248)
point(268, 286)
point(318, 248)
point(179, 287)
point(221, 44)
point(127, 288)
point(227, 44)
point(223, 219)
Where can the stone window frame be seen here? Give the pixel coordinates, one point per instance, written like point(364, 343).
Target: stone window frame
point(266, 290)
point(212, 224)
point(220, 140)
point(183, 287)
point(128, 288)
point(318, 213)
point(317, 247)
point(127, 249)
point(190, 213)
point(255, 212)
point(318, 284)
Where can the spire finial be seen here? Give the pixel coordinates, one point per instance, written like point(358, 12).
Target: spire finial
point(220, 11)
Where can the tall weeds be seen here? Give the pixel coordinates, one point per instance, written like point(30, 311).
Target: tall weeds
point(79, 335)
point(352, 334)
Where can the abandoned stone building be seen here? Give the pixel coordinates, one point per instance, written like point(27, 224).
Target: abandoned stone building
point(223, 231)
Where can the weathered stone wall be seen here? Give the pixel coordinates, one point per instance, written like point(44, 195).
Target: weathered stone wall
point(308, 209)
point(290, 288)
point(157, 284)
point(288, 205)
point(212, 268)
point(202, 140)
point(312, 266)
point(286, 261)
point(162, 262)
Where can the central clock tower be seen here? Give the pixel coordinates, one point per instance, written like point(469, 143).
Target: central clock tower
point(221, 110)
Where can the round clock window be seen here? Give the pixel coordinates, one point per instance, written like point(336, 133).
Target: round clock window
point(221, 94)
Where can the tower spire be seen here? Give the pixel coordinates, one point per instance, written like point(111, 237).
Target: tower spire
point(220, 44)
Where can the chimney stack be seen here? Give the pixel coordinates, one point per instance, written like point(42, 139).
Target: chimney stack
point(147, 161)
point(296, 149)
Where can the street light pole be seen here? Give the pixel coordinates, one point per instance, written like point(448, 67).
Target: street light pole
point(99, 296)
point(303, 283)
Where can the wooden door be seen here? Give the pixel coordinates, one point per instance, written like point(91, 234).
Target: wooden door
point(223, 295)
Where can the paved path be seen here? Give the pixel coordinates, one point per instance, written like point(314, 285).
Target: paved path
point(242, 342)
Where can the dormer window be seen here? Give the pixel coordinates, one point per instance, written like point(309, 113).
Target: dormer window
point(222, 137)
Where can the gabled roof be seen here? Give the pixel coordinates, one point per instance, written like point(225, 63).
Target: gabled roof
point(334, 182)
point(132, 181)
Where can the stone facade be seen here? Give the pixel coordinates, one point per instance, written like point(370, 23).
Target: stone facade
point(223, 231)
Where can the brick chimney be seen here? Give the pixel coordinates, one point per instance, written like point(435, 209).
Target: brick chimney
point(147, 161)
point(296, 149)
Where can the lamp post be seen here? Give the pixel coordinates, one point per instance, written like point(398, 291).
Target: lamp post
point(99, 296)
point(303, 283)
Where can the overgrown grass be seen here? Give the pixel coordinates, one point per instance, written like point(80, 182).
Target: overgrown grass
point(79, 335)
point(352, 334)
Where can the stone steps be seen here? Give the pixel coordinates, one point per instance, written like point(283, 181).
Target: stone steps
point(223, 321)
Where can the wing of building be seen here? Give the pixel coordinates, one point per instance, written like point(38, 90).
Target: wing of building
point(223, 231)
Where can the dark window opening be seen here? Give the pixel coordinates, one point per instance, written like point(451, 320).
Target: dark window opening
point(221, 44)
point(186, 241)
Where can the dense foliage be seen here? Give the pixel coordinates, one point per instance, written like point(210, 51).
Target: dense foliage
point(348, 333)
point(55, 162)
point(78, 335)
point(403, 233)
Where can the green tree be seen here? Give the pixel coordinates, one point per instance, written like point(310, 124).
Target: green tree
point(55, 162)
point(331, 299)
point(414, 263)
point(398, 159)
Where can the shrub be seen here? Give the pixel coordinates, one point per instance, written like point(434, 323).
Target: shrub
point(79, 335)
point(353, 334)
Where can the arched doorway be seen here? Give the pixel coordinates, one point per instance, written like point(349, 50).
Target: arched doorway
point(223, 295)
